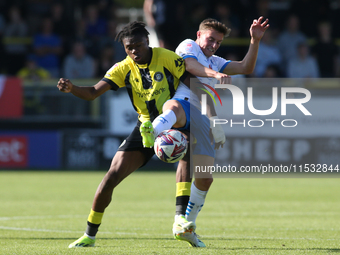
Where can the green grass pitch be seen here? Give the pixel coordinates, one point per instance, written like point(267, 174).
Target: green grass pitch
point(43, 212)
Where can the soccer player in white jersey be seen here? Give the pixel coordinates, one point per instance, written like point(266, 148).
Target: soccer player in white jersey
point(200, 61)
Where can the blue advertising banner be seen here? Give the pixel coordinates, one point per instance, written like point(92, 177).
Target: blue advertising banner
point(30, 149)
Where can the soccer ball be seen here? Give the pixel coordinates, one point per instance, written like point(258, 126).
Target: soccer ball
point(170, 146)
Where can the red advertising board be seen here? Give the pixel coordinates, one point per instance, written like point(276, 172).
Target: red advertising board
point(10, 97)
point(13, 151)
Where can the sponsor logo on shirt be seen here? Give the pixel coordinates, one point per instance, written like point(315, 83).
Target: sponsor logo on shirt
point(147, 94)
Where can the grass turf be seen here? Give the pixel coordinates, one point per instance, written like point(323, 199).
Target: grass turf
point(43, 212)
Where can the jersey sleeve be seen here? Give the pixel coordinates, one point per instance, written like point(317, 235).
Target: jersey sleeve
point(115, 75)
point(188, 49)
point(221, 63)
point(176, 66)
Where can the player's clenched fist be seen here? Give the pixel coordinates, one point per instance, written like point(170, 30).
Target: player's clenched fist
point(65, 85)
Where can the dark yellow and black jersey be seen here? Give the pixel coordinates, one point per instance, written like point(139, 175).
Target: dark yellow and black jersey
point(149, 85)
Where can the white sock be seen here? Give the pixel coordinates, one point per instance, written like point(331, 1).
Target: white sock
point(196, 202)
point(164, 121)
point(179, 215)
point(91, 237)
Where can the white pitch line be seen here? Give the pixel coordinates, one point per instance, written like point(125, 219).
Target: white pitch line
point(263, 237)
point(45, 230)
point(38, 230)
point(224, 214)
point(40, 217)
point(166, 215)
point(147, 234)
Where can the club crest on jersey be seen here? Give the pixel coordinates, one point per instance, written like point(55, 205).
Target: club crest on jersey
point(158, 76)
point(188, 47)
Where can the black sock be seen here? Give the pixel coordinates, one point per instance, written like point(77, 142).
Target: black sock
point(92, 229)
point(181, 204)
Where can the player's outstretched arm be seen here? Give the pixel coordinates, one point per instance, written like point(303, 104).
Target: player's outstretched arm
point(247, 65)
point(86, 93)
point(196, 68)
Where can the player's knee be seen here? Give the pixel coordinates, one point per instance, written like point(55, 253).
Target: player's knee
point(178, 110)
point(172, 105)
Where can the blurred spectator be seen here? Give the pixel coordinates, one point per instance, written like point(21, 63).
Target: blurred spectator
point(48, 48)
point(335, 17)
point(95, 25)
point(272, 71)
point(268, 54)
point(63, 25)
point(2, 24)
point(337, 72)
point(309, 13)
point(33, 72)
point(303, 65)
point(81, 36)
point(90, 29)
point(165, 17)
point(198, 12)
point(39, 7)
point(262, 8)
point(78, 64)
point(110, 39)
point(106, 9)
point(2, 28)
point(289, 40)
point(325, 50)
point(106, 60)
point(36, 9)
point(224, 14)
point(15, 38)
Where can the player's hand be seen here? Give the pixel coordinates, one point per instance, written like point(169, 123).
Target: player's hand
point(258, 28)
point(218, 133)
point(65, 85)
point(223, 78)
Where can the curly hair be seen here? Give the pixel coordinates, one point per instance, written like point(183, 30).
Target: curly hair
point(132, 29)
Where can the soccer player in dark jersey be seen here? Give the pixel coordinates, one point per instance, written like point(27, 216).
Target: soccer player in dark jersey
point(151, 77)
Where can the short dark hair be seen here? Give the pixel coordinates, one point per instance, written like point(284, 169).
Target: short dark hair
point(210, 23)
point(132, 29)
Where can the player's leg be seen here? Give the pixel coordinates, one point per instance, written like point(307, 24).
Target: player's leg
point(173, 116)
point(202, 155)
point(123, 164)
point(183, 184)
point(184, 230)
point(200, 186)
point(203, 181)
point(130, 156)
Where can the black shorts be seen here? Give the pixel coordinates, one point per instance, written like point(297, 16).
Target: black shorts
point(134, 143)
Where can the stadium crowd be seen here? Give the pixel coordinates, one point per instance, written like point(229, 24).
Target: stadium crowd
point(49, 39)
